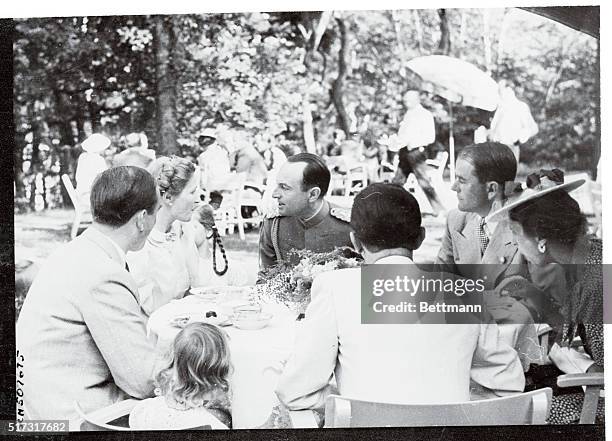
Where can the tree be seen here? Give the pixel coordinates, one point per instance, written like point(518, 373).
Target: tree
point(165, 47)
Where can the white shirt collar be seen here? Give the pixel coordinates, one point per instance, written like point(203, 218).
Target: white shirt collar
point(120, 251)
point(394, 260)
point(489, 227)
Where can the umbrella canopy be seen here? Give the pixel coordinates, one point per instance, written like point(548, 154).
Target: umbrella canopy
point(456, 80)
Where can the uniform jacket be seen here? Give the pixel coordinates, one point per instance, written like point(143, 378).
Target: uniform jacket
point(328, 229)
point(82, 332)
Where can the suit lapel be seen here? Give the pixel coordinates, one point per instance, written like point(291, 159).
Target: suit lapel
point(501, 250)
point(468, 244)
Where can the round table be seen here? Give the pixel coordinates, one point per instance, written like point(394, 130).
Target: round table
point(257, 355)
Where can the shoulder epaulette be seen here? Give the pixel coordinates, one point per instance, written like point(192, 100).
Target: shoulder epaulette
point(343, 214)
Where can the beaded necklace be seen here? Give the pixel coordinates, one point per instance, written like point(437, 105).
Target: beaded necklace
point(217, 241)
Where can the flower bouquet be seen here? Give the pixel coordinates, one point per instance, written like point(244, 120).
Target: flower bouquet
point(290, 285)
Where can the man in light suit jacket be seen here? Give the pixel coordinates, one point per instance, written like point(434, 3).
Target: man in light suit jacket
point(81, 330)
point(394, 363)
point(472, 246)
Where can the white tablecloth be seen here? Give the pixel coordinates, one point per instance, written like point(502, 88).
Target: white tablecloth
point(257, 355)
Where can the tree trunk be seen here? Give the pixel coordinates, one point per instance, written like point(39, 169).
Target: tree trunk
point(93, 116)
point(165, 76)
point(417, 25)
point(444, 47)
point(338, 85)
point(309, 138)
point(395, 21)
point(321, 28)
point(501, 40)
point(486, 40)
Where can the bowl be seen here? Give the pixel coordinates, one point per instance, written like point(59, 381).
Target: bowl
point(251, 323)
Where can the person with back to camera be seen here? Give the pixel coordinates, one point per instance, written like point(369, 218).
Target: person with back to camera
point(81, 330)
point(193, 390)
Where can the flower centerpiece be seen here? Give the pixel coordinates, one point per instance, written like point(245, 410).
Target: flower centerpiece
point(290, 285)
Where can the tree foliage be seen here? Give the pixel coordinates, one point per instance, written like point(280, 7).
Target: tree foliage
point(272, 73)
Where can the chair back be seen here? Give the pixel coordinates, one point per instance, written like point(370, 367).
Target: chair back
point(356, 180)
point(526, 408)
point(100, 419)
point(74, 198)
point(230, 211)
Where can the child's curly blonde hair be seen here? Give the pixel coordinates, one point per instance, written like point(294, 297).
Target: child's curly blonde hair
point(199, 367)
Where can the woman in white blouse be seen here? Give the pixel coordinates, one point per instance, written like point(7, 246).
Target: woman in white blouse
point(176, 255)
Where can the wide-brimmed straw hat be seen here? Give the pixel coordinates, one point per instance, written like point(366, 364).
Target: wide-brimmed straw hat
point(96, 143)
point(208, 133)
point(537, 185)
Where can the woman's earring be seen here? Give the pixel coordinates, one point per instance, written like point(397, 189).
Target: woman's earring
point(542, 247)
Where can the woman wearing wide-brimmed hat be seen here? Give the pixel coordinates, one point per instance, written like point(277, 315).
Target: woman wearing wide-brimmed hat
point(90, 164)
point(549, 227)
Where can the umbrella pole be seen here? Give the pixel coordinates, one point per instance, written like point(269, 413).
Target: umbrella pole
point(451, 145)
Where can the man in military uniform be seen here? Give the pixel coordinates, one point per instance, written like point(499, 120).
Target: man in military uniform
point(306, 220)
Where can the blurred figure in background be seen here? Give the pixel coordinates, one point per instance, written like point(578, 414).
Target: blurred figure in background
point(213, 160)
point(245, 159)
point(416, 131)
point(512, 123)
point(137, 152)
point(90, 164)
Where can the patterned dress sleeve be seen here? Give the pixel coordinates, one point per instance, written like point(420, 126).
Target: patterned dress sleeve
point(590, 313)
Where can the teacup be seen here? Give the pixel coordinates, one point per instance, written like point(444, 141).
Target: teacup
point(249, 311)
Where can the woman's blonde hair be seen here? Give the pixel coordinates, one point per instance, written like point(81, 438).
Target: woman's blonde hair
point(199, 365)
point(171, 174)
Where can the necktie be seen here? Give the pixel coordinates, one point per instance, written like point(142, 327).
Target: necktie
point(482, 236)
point(127, 268)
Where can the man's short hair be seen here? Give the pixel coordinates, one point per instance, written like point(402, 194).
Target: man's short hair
point(492, 161)
point(386, 216)
point(316, 173)
point(120, 192)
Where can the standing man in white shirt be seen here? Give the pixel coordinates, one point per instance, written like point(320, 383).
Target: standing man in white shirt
point(90, 164)
point(213, 161)
point(416, 131)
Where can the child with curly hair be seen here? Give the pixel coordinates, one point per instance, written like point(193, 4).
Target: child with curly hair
point(193, 391)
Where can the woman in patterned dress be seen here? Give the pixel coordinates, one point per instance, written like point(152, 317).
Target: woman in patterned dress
point(549, 227)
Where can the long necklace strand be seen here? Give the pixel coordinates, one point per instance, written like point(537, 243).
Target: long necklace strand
point(217, 240)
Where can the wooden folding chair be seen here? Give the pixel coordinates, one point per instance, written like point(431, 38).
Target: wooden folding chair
point(100, 419)
point(594, 389)
point(78, 209)
point(526, 408)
